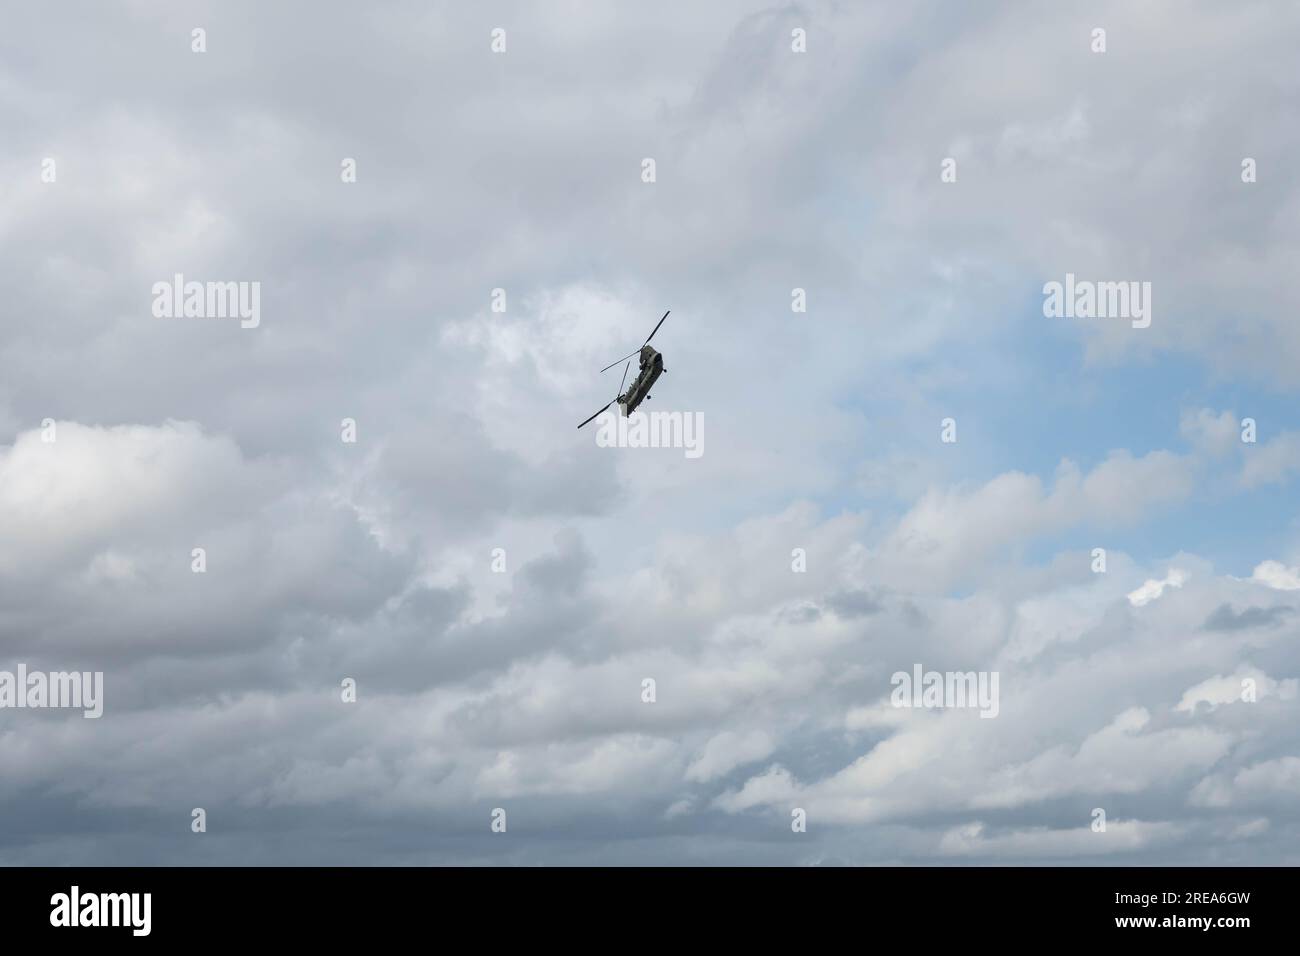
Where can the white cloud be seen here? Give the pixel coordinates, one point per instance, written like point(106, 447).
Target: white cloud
point(1120, 836)
point(1152, 589)
point(949, 532)
point(773, 786)
point(60, 499)
point(1269, 782)
point(726, 752)
point(1276, 575)
point(1229, 689)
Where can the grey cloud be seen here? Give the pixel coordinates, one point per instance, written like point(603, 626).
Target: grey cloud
point(1226, 618)
point(524, 688)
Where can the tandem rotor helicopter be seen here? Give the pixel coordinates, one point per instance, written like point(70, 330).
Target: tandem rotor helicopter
point(652, 366)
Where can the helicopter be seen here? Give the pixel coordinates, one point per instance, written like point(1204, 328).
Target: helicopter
point(651, 367)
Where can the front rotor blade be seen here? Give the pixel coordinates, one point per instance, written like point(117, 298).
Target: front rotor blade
point(616, 361)
point(652, 334)
point(624, 382)
point(594, 416)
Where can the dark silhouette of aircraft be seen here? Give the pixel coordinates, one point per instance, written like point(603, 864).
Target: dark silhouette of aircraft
point(652, 366)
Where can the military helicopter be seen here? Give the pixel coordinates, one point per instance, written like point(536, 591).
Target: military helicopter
point(652, 366)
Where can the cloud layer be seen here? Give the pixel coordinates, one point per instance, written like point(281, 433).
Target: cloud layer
point(644, 658)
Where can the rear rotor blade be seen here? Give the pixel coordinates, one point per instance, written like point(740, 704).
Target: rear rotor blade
point(624, 382)
point(594, 416)
point(616, 361)
point(656, 329)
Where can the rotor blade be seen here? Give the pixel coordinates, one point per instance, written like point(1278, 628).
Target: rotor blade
point(624, 382)
point(593, 416)
point(616, 361)
point(652, 334)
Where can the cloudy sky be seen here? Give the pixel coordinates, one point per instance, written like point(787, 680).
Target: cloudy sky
point(522, 689)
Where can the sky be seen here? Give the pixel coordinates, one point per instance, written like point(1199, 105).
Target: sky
point(432, 644)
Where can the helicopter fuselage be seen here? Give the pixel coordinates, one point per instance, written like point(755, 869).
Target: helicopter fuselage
point(652, 366)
